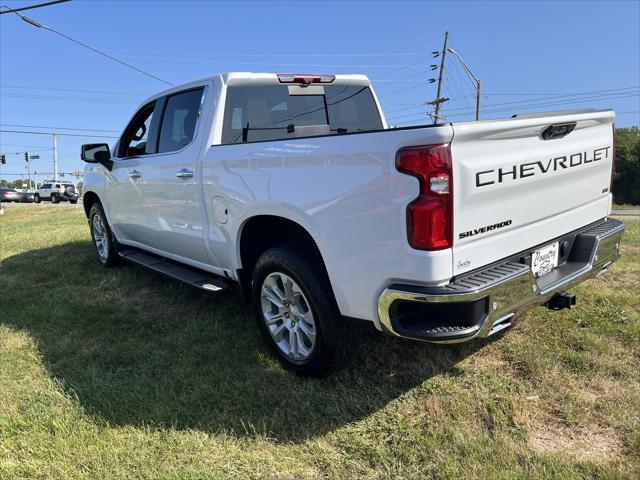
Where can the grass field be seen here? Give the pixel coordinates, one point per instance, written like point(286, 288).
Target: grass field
point(121, 373)
point(625, 206)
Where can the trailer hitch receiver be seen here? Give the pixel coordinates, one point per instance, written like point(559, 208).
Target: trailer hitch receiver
point(561, 300)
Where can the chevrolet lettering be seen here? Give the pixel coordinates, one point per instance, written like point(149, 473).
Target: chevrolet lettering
point(523, 170)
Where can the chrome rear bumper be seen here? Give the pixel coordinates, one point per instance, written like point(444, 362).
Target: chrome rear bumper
point(486, 301)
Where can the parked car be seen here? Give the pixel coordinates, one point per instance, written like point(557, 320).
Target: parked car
point(293, 187)
point(9, 195)
point(27, 197)
point(57, 192)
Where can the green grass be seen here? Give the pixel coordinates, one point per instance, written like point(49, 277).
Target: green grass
point(121, 373)
point(625, 206)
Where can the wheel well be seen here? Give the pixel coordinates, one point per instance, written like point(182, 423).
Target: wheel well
point(88, 199)
point(263, 232)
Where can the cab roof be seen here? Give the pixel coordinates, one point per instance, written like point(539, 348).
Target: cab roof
point(249, 78)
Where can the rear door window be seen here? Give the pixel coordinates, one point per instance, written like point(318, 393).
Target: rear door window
point(270, 112)
point(179, 120)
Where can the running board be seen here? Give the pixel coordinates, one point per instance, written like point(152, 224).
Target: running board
point(197, 278)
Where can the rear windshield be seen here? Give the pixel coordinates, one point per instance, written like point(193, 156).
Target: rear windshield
point(269, 112)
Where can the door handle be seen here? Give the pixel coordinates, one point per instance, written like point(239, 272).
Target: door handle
point(184, 173)
point(135, 174)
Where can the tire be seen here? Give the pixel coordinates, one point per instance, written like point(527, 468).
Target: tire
point(102, 237)
point(36, 198)
point(73, 202)
point(54, 198)
point(310, 298)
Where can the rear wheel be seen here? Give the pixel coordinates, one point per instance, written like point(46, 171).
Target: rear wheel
point(73, 201)
point(102, 238)
point(54, 198)
point(297, 314)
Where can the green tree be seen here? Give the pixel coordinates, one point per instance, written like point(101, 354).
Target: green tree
point(626, 185)
point(17, 184)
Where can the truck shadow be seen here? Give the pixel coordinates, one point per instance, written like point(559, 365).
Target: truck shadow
point(137, 349)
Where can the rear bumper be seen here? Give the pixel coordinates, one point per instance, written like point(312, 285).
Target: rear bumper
point(486, 301)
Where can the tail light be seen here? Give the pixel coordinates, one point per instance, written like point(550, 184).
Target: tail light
point(613, 160)
point(430, 216)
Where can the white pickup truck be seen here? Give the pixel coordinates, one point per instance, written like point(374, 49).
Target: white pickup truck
point(294, 187)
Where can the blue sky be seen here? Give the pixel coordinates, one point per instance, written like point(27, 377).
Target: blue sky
point(529, 56)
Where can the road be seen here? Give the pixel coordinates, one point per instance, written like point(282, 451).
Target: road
point(43, 204)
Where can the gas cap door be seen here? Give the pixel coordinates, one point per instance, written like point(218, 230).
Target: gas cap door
point(220, 212)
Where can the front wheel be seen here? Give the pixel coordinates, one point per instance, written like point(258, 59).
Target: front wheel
point(36, 198)
point(102, 237)
point(297, 313)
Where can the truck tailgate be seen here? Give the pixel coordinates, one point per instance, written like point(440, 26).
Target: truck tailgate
point(516, 188)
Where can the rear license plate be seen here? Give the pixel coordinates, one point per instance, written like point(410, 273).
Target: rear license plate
point(544, 259)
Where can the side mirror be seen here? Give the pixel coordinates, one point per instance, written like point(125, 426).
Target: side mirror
point(95, 153)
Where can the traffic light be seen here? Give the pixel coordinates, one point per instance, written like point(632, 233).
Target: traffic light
point(3, 159)
point(26, 156)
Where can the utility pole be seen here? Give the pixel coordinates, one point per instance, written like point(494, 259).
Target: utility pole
point(478, 101)
point(438, 99)
point(55, 157)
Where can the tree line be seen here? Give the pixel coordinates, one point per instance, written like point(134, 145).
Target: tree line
point(626, 183)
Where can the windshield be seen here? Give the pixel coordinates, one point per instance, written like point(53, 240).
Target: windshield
point(269, 112)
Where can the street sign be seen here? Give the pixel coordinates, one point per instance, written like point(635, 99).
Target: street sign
point(34, 157)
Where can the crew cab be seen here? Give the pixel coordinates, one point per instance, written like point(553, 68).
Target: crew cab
point(294, 187)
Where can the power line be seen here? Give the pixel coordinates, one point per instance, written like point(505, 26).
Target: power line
point(388, 94)
point(40, 5)
point(398, 52)
point(39, 25)
point(270, 55)
point(107, 92)
point(598, 98)
point(59, 134)
point(563, 95)
point(59, 128)
point(30, 147)
point(58, 97)
point(569, 102)
point(532, 102)
point(611, 91)
point(525, 107)
point(279, 64)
